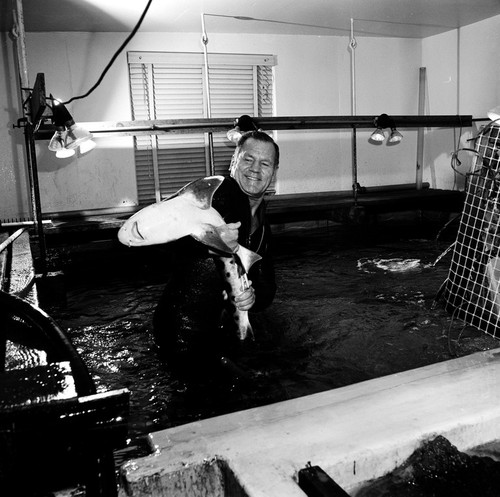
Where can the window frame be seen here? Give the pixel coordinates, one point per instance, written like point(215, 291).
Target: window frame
point(172, 85)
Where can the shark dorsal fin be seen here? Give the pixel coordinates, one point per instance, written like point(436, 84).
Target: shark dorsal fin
point(201, 191)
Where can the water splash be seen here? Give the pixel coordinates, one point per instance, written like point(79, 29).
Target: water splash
point(396, 265)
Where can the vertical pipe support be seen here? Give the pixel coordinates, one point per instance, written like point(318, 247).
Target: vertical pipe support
point(204, 40)
point(420, 132)
point(355, 184)
point(352, 47)
point(29, 132)
point(35, 196)
point(21, 50)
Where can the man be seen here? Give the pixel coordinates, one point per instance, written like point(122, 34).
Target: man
point(189, 323)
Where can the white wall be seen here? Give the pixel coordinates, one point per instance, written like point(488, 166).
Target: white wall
point(463, 78)
point(72, 63)
point(313, 77)
point(479, 66)
point(14, 190)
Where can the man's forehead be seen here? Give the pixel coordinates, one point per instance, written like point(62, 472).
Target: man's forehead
point(258, 146)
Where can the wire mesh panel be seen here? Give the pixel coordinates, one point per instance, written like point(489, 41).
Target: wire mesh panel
point(472, 291)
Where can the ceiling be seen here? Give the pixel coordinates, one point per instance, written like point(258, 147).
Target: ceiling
point(395, 18)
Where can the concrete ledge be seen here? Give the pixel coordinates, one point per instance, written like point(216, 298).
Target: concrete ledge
point(354, 433)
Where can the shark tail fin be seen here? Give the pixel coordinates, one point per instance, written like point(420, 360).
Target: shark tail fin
point(249, 332)
point(242, 327)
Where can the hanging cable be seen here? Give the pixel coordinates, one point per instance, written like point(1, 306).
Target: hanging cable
point(124, 44)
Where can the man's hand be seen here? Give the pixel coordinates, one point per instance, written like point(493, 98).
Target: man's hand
point(229, 234)
point(245, 300)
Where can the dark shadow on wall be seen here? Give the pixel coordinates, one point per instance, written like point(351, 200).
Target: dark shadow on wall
point(11, 104)
point(50, 12)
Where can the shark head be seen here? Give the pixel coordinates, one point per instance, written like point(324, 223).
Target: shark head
point(188, 212)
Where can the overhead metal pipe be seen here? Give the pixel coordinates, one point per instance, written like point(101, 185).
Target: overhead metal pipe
point(164, 126)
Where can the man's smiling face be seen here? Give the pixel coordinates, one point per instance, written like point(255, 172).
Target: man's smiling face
point(254, 168)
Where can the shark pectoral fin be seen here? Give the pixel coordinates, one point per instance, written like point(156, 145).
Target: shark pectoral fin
point(247, 257)
point(209, 235)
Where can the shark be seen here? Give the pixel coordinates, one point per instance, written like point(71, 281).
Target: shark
point(189, 212)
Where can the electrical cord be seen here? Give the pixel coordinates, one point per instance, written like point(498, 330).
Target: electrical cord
point(110, 63)
point(456, 162)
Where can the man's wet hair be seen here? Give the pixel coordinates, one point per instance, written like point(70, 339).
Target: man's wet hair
point(260, 136)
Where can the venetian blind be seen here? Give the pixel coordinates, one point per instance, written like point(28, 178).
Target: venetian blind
point(167, 85)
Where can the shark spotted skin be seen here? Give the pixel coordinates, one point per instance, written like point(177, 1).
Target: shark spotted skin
point(189, 212)
point(234, 275)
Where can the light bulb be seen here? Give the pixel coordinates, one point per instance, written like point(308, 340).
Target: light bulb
point(64, 153)
point(378, 135)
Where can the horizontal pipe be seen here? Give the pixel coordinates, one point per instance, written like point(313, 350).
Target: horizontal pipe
point(11, 239)
point(14, 224)
point(161, 126)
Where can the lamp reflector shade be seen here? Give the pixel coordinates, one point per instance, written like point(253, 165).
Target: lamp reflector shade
point(377, 135)
point(57, 141)
point(87, 146)
point(395, 136)
point(76, 136)
point(494, 114)
point(61, 116)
